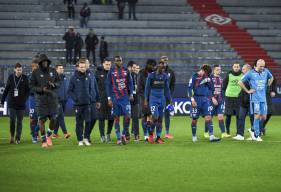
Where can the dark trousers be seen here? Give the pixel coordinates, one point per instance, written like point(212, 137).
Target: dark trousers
point(93, 51)
point(121, 7)
point(84, 22)
point(241, 120)
point(16, 117)
point(71, 12)
point(77, 53)
point(68, 55)
point(60, 119)
point(135, 119)
point(167, 121)
point(228, 122)
point(132, 10)
point(93, 119)
point(102, 126)
point(83, 120)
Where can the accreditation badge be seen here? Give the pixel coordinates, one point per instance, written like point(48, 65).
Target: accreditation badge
point(16, 92)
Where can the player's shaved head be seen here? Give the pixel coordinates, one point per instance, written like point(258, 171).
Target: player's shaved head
point(246, 67)
point(259, 65)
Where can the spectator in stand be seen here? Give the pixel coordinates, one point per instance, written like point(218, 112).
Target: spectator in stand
point(17, 90)
point(70, 8)
point(69, 38)
point(121, 4)
point(132, 8)
point(78, 47)
point(103, 49)
point(85, 14)
point(91, 43)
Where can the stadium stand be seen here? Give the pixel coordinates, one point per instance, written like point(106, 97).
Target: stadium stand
point(164, 27)
point(254, 30)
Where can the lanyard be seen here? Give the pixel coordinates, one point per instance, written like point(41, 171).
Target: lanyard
point(17, 84)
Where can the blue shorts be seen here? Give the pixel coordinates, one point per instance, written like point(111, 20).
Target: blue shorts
point(204, 107)
point(258, 108)
point(218, 109)
point(121, 107)
point(157, 107)
point(32, 108)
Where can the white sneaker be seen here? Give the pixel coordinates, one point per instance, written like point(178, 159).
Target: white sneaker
point(86, 142)
point(259, 139)
point(102, 139)
point(214, 139)
point(206, 135)
point(194, 139)
point(252, 134)
point(238, 138)
point(80, 143)
point(249, 139)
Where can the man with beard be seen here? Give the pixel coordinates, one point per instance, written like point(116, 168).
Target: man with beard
point(172, 82)
point(157, 91)
point(119, 92)
point(33, 123)
point(146, 114)
point(43, 83)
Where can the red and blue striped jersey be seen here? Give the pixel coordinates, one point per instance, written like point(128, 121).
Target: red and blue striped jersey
point(119, 83)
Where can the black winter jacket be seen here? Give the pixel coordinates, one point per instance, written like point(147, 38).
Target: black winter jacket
point(41, 78)
point(18, 102)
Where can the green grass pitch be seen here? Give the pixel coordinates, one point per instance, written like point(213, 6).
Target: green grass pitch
point(178, 165)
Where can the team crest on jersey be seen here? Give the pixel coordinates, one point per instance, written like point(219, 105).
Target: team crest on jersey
point(42, 75)
point(115, 74)
point(51, 74)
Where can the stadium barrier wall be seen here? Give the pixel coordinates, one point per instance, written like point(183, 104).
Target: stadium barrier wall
point(181, 103)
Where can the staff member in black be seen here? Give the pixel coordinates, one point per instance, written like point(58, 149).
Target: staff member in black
point(17, 90)
point(104, 113)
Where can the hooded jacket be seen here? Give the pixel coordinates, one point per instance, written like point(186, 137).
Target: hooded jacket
point(44, 77)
